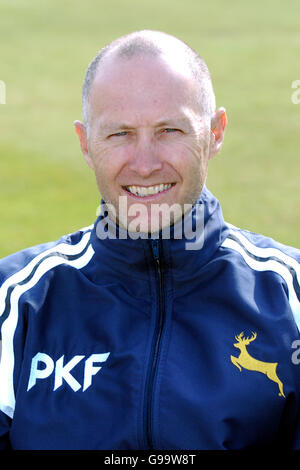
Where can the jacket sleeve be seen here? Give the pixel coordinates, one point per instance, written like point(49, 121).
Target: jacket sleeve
point(5, 423)
point(296, 434)
point(12, 344)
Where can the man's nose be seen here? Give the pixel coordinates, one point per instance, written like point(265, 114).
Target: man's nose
point(145, 158)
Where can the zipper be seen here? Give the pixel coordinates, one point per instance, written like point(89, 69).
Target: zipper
point(155, 246)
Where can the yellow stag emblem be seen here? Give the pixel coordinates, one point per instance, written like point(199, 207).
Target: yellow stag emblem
point(248, 362)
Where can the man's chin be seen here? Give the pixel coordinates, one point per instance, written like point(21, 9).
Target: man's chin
point(141, 227)
point(150, 226)
point(146, 220)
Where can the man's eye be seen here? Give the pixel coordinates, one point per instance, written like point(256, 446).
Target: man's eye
point(170, 129)
point(119, 134)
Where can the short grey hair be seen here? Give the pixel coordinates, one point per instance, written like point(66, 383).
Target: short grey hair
point(153, 43)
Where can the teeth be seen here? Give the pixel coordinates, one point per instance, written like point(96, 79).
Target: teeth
point(149, 191)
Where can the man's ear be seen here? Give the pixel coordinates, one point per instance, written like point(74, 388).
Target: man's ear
point(82, 134)
point(218, 126)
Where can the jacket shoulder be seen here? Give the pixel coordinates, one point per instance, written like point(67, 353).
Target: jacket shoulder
point(260, 245)
point(66, 246)
point(263, 254)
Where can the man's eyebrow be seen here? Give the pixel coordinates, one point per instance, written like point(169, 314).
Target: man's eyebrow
point(180, 120)
point(110, 126)
point(176, 120)
point(114, 126)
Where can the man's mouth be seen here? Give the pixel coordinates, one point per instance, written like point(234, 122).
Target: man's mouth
point(144, 191)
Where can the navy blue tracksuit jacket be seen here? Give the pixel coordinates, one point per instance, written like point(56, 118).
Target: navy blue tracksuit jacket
point(144, 344)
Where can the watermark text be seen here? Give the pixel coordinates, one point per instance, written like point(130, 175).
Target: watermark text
point(156, 220)
point(2, 92)
point(295, 98)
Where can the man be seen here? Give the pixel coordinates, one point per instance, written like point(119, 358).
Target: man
point(151, 329)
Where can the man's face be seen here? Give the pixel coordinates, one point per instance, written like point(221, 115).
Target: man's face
point(148, 141)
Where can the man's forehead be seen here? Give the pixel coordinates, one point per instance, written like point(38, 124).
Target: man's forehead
point(141, 91)
point(138, 84)
point(116, 69)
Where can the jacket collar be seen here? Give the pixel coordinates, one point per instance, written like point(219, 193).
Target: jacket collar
point(192, 242)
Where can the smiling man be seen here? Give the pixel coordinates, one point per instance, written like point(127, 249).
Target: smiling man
point(149, 108)
point(140, 340)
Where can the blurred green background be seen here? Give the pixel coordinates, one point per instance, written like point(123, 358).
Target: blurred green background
point(252, 50)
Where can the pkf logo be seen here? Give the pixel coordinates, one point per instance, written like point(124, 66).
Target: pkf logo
point(42, 366)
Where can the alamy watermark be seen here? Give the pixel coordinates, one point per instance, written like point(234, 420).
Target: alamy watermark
point(155, 221)
point(295, 98)
point(296, 354)
point(2, 92)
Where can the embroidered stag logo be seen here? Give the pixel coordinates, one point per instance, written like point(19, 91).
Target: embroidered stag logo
point(248, 362)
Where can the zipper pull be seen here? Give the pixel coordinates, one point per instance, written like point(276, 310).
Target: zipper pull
point(155, 249)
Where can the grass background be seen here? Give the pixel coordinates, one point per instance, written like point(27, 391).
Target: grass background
point(252, 50)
